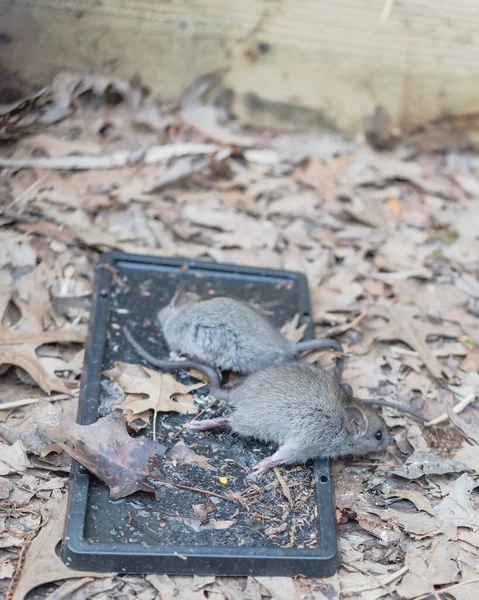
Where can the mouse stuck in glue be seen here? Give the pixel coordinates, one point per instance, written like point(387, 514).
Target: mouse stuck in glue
point(228, 334)
point(302, 408)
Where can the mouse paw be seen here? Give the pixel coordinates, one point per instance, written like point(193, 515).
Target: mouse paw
point(261, 468)
point(207, 424)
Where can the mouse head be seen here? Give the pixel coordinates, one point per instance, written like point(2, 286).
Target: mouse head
point(180, 299)
point(365, 430)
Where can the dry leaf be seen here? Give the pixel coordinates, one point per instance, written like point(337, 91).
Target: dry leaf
point(42, 564)
point(204, 117)
point(13, 459)
point(18, 344)
point(151, 390)
point(457, 507)
point(180, 453)
point(280, 588)
point(471, 432)
point(292, 330)
point(296, 148)
point(203, 510)
point(421, 463)
point(212, 524)
point(401, 327)
point(471, 362)
point(6, 486)
point(417, 498)
point(469, 455)
point(107, 451)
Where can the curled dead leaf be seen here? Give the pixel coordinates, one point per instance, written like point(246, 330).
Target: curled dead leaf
point(181, 454)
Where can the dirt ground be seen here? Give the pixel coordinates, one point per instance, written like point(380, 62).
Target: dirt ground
point(389, 243)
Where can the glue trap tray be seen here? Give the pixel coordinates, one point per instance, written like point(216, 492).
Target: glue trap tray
point(283, 524)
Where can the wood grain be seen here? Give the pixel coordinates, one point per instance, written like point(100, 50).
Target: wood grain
point(303, 64)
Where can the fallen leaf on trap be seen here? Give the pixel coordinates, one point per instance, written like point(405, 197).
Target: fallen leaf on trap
point(183, 455)
point(106, 450)
point(218, 524)
point(151, 390)
point(275, 529)
point(203, 510)
point(292, 331)
point(223, 480)
point(42, 565)
point(421, 463)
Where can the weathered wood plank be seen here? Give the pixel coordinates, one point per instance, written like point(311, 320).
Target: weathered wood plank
point(294, 63)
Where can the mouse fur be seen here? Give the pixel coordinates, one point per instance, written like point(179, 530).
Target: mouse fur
point(306, 411)
point(205, 331)
point(228, 334)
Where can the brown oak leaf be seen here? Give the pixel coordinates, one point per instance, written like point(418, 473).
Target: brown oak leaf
point(106, 450)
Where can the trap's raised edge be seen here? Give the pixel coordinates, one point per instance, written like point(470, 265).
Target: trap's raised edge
point(80, 554)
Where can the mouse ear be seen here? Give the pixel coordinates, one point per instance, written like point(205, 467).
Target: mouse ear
point(354, 421)
point(348, 389)
point(180, 294)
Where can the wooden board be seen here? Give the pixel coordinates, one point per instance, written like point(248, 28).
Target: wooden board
point(295, 64)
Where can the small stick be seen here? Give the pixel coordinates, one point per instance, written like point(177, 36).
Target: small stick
point(27, 401)
point(284, 486)
point(342, 328)
point(458, 408)
point(192, 489)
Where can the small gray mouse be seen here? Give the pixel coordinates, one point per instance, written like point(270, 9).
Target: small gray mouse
point(230, 335)
point(304, 410)
point(300, 407)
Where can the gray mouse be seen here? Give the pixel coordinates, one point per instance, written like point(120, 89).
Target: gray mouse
point(230, 335)
point(300, 407)
point(304, 410)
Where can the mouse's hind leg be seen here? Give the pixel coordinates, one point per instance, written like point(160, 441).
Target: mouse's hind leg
point(284, 455)
point(208, 424)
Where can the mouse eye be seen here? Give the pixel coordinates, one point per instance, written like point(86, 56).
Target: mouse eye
point(378, 435)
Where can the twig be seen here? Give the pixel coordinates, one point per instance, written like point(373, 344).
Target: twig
point(121, 158)
point(382, 583)
point(21, 559)
point(119, 282)
point(155, 416)
point(458, 408)
point(192, 489)
point(342, 328)
point(8, 214)
point(29, 189)
point(451, 587)
point(27, 401)
point(284, 486)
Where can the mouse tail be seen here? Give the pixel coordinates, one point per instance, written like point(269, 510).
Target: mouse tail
point(395, 405)
point(177, 365)
point(324, 344)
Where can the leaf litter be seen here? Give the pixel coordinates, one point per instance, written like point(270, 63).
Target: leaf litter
point(391, 255)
